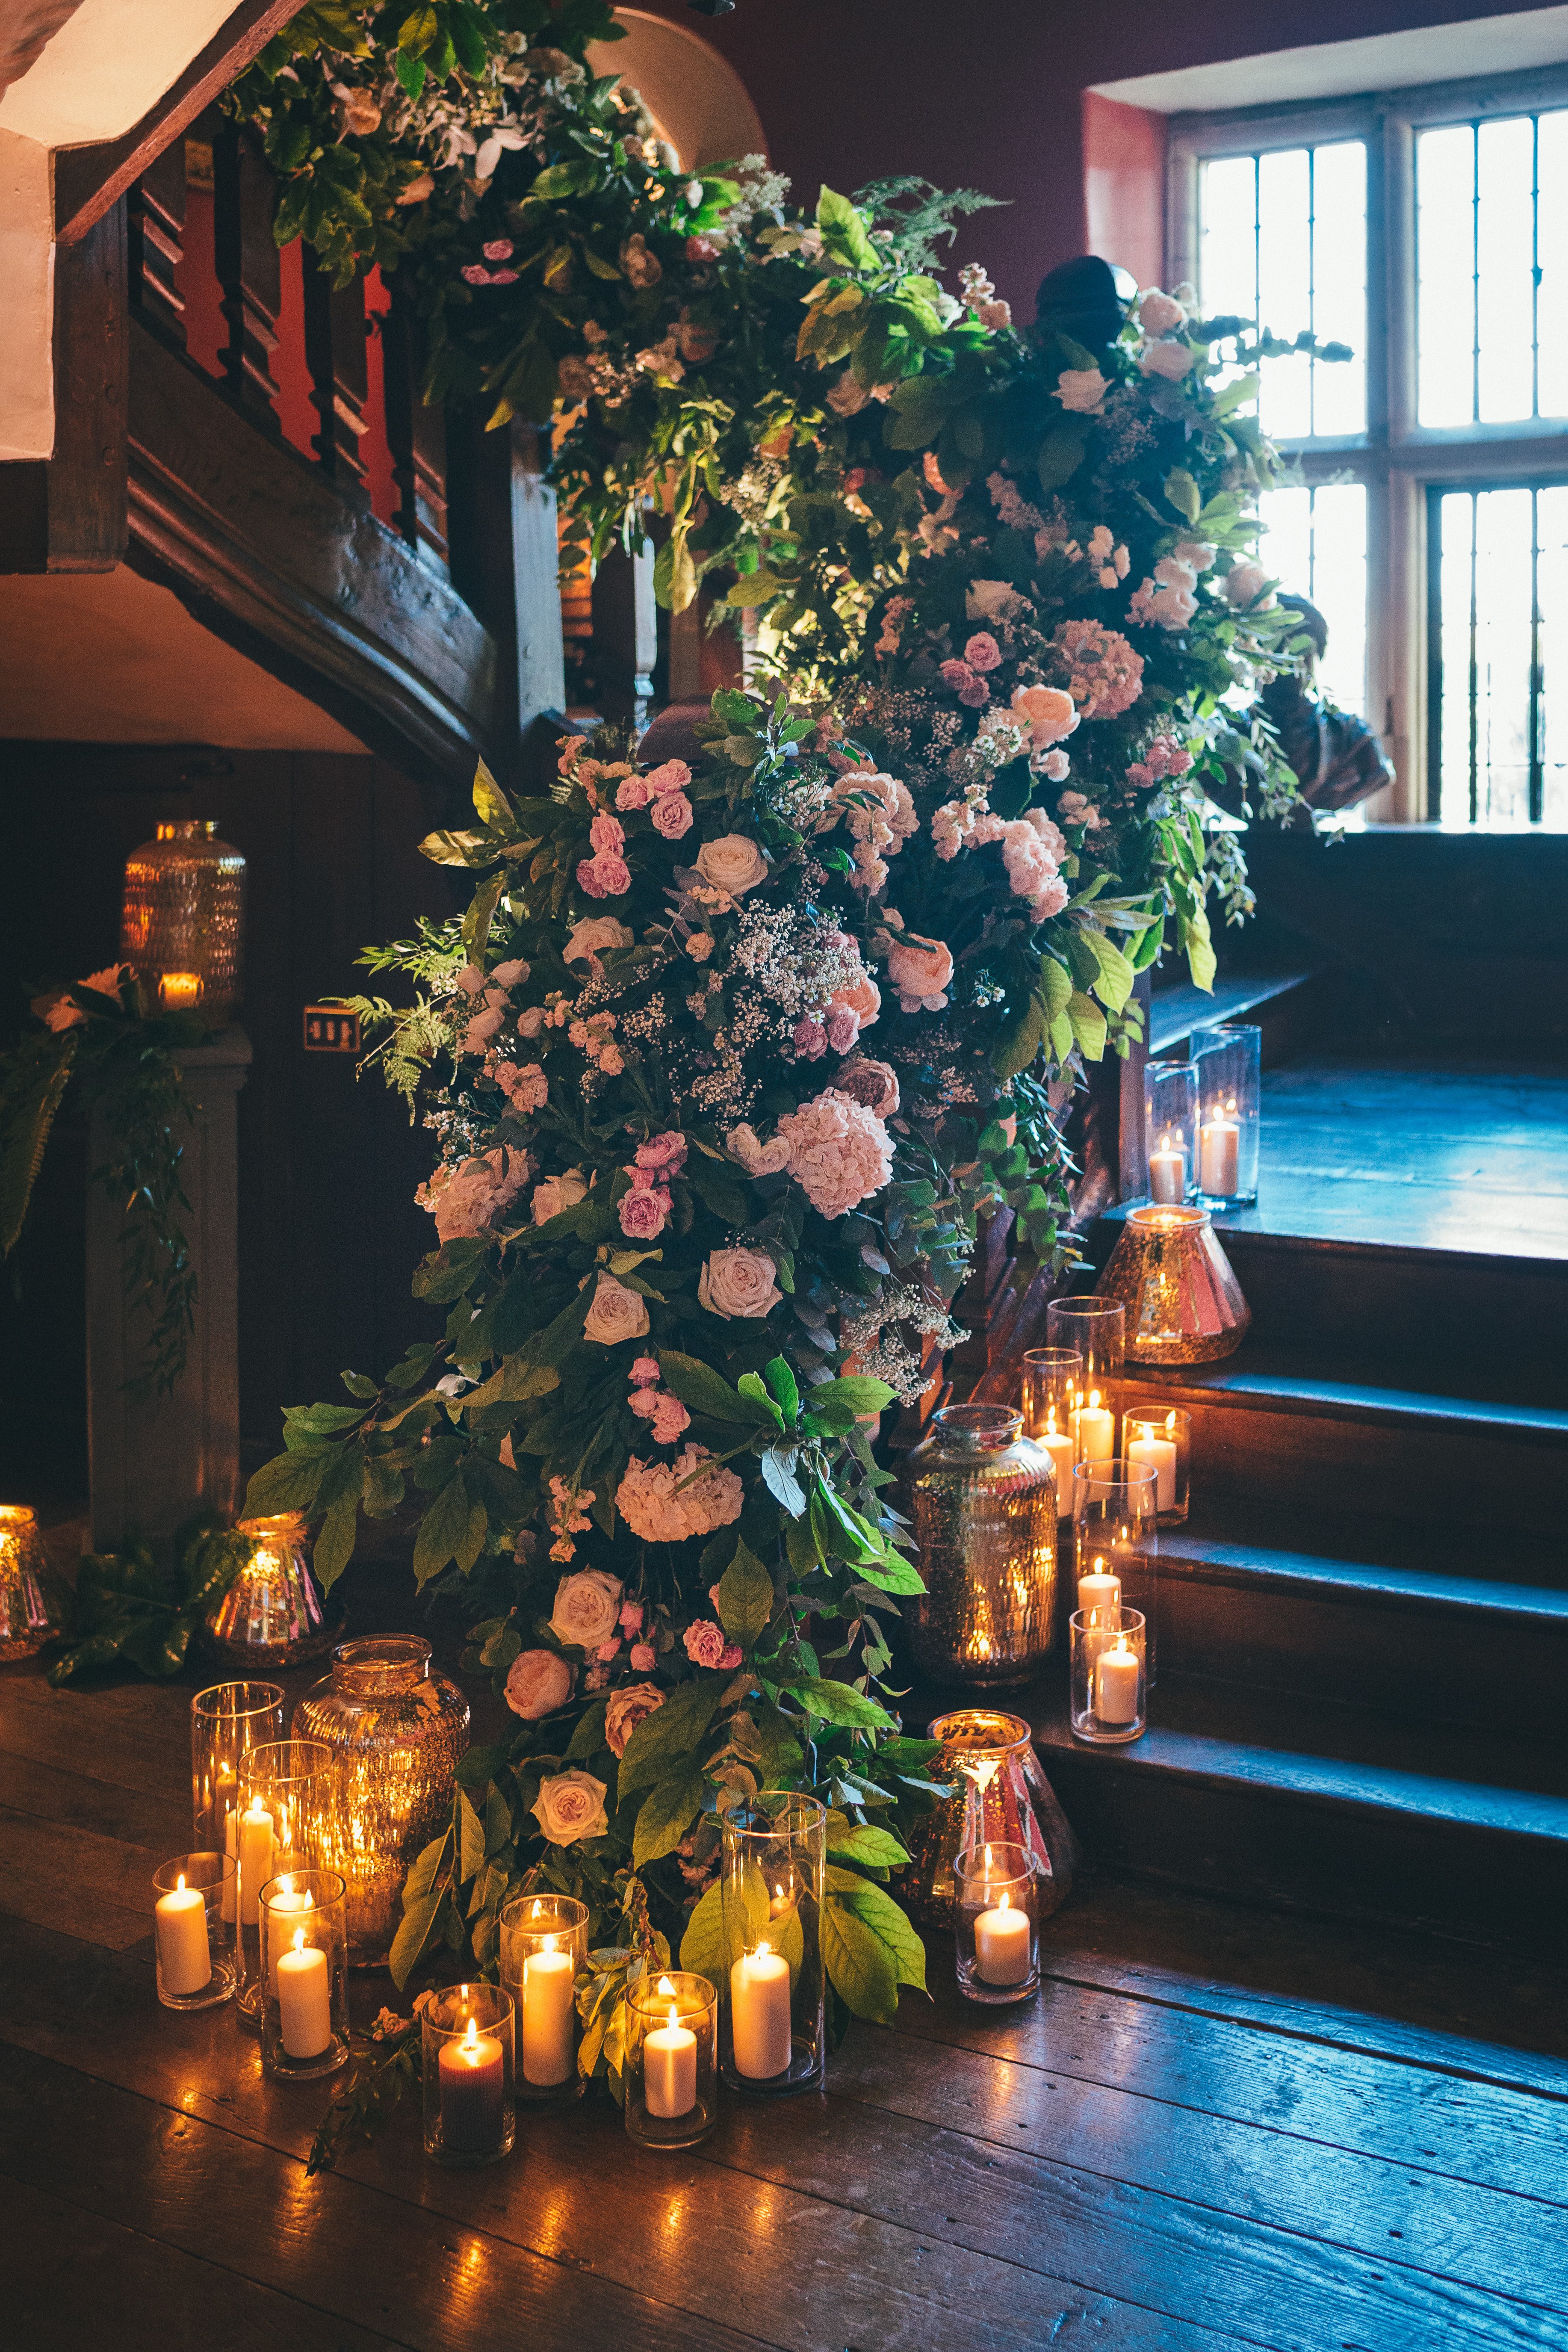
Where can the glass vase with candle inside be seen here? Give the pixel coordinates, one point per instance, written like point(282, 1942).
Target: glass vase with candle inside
point(227, 1720)
point(999, 1792)
point(1171, 1128)
point(33, 1607)
point(1162, 1442)
point(1097, 1327)
point(984, 1503)
point(1052, 1384)
point(1116, 1539)
point(181, 922)
point(304, 1975)
point(543, 1951)
point(1229, 1062)
point(997, 1922)
point(773, 1866)
point(273, 1615)
point(1183, 1302)
point(670, 2069)
point(283, 1817)
point(467, 2050)
point(1109, 1678)
point(193, 1919)
point(396, 1729)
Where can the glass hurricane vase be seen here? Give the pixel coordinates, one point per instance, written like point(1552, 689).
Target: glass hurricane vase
point(984, 1511)
point(999, 1793)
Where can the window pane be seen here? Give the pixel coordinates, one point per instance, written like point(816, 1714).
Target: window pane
point(1339, 284)
point(1552, 596)
point(1316, 547)
point(1285, 287)
point(1456, 590)
point(1552, 309)
point(1228, 254)
point(1283, 243)
point(1445, 233)
point(1505, 270)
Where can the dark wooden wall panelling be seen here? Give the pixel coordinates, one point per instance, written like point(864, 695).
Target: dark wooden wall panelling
point(329, 1232)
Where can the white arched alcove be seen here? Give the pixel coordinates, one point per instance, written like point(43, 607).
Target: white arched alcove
point(696, 97)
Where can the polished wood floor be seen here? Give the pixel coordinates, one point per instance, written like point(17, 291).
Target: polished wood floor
point(1214, 2127)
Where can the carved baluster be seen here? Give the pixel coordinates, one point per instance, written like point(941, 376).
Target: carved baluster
point(246, 256)
point(335, 355)
point(430, 484)
point(155, 223)
point(400, 391)
point(625, 637)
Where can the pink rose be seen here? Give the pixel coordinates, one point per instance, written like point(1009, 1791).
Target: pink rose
point(537, 1683)
point(983, 652)
point(810, 1040)
point(705, 1643)
point(667, 1151)
point(739, 1283)
point(589, 877)
point(1171, 360)
point(874, 1084)
point(641, 1658)
point(500, 248)
point(729, 1658)
point(634, 794)
point(644, 1403)
point(843, 1028)
point(607, 834)
point(644, 1374)
point(631, 1610)
point(643, 1214)
point(674, 776)
point(626, 1709)
point(614, 876)
point(920, 971)
point(863, 998)
point(570, 1805)
point(609, 1650)
point(672, 815)
point(1157, 313)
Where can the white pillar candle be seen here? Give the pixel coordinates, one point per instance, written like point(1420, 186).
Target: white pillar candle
point(549, 2007)
point(1002, 1943)
point(185, 1956)
point(1093, 1431)
point(226, 1901)
point(759, 2013)
point(1116, 1677)
point(1159, 1454)
point(1059, 1447)
point(473, 2092)
point(1219, 1147)
point(280, 1924)
point(255, 1859)
point(1100, 1597)
point(669, 2065)
point(304, 2001)
point(1168, 1173)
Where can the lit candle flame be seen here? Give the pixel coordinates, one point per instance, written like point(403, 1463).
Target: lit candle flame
point(1099, 1569)
point(538, 1906)
point(181, 1888)
point(674, 2015)
point(665, 1990)
point(1170, 1424)
point(298, 1939)
point(549, 1944)
point(472, 2043)
point(988, 1860)
point(1094, 1400)
point(764, 1951)
point(1004, 1901)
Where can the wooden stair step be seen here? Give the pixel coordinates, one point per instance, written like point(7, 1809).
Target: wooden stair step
point(1270, 999)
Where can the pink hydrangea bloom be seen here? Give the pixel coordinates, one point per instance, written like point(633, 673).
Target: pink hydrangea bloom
point(671, 1420)
point(660, 1508)
point(1104, 676)
point(840, 1152)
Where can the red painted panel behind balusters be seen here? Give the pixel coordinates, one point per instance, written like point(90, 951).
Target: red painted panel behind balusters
point(374, 448)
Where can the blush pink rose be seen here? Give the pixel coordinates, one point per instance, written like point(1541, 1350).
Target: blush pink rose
point(634, 794)
point(983, 652)
point(873, 1084)
point(672, 815)
point(739, 1283)
point(663, 1151)
point(537, 1683)
point(614, 876)
point(607, 835)
point(643, 1214)
point(641, 1658)
point(674, 776)
point(705, 1643)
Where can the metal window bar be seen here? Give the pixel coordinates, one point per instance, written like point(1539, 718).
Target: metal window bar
point(1440, 494)
point(1474, 127)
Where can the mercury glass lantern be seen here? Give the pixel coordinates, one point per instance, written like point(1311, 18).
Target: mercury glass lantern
point(272, 1616)
point(999, 1790)
point(984, 1502)
point(33, 1608)
point(181, 920)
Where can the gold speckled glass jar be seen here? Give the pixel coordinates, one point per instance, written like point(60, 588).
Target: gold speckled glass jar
point(33, 1610)
point(397, 1731)
point(183, 919)
point(985, 1508)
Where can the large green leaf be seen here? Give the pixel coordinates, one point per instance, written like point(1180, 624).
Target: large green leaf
point(837, 1702)
point(863, 1971)
point(745, 1597)
point(444, 1529)
point(875, 1908)
point(699, 1386)
point(668, 1814)
point(670, 1734)
point(36, 1078)
point(289, 1482)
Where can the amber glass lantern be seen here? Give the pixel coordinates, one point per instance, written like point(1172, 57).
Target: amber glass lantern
point(32, 1608)
point(183, 917)
point(398, 1732)
point(999, 1792)
point(272, 1616)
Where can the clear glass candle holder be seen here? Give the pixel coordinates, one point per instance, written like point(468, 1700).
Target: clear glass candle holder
point(227, 1720)
point(1229, 1068)
point(773, 1875)
point(1109, 1681)
point(544, 1951)
point(193, 1922)
point(470, 2103)
point(1170, 1129)
point(997, 1922)
point(287, 1792)
point(303, 1975)
point(35, 1608)
point(1053, 1379)
point(1162, 1442)
point(1097, 1327)
point(1116, 1540)
point(670, 2069)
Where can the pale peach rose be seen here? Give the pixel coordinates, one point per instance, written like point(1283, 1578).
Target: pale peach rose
point(739, 1283)
point(558, 1193)
point(1172, 361)
point(758, 1159)
point(595, 935)
point(1081, 391)
point(616, 1314)
point(1047, 711)
point(537, 1683)
point(625, 1711)
point(588, 1608)
point(733, 864)
point(570, 1805)
point(1157, 313)
point(920, 969)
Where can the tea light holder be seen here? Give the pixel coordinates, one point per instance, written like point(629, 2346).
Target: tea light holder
point(772, 1879)
point(287, 1792)
point(34, 1609)
point(303, 1975)
point(544, 1951)
point(1170, 1129)
point(1229, 1062)
point(996, 1923)
point(1109, 1680)
point(468, 2047)
point(1162, 1442)
point(670, 2069)
point(1115, 1532)
point(193, 1923)
point(1053, 1379)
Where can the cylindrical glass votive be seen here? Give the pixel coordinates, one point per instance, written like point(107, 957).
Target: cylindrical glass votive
point(773, 1874)
point(543, 1951)
point(1162, 1442)
point(1097, 1327)
point(1116, 1537)
point(227, 1720)
point(997, 1922)
point(470, 2111)
point(1052, 1380)
point(670, 2069)
point(287, 1789)
point(1229, 1068)
point(193, 1919)
point(1171, 1128)
point(1109, 1680)
point(303, 1975)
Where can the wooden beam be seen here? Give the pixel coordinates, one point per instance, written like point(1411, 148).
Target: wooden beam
point(89, 179)
point(66, 512)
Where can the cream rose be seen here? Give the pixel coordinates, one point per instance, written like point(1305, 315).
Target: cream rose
point(558, 1193)
point(733, 864)
point(588, 1608)
point(1081, 391)
point(625, 1711)
point(1172, 361)
point(570, 1805)
point(992, 600)
point(739, 1283)
point(538, 1682)
point(616, 1313)
point(595, 936)
point(758, 1159)
point(1158, 312)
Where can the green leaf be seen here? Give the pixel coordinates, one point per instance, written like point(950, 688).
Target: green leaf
point(858, 1391)
point(1055, 986)
point(837, 1702)
point(1018, 1043)
point(1202, 962)
point(1114, 985)
point(413, 1935)
point(703, 1389)
point(1061, 454)
point(1182, 492)
point(334, 1544)
point(1088, 1024)
point(843, 232)
point(444, 1530)
point(863, 1842)
point(782, 1381)
point(749, 1385)
point(670, 1733)
point(859, 1965)
point(589, 1735)
point(745, 1598)
point(289, 1482)
point(472, 1852)
point(876, 1910)
point(702, 1948)
point(667, 1815)
point(491, 803)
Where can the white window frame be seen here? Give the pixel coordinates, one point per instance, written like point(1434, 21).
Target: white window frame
point(1397, 458)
